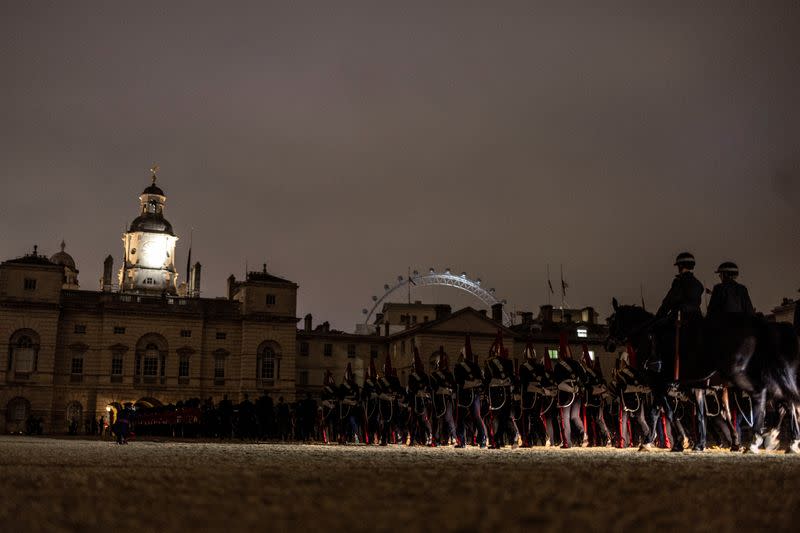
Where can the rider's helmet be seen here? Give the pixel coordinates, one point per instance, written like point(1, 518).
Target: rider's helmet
point(728, 269)
point(444, 364)
point(685, 260)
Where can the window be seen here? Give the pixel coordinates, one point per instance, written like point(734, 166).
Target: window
point(221, 335)
point(414, 319)
point(591, 355)
point(116, 364)
point(119, 330)
point(186, 333)
point(328, 350)
point(183, 366)
point(24, 355)
point(30, 284)
point(351, 350)
point(270, 299)
point(404, 319)
point(304, 348)
point(303, 378)
point(77, 365)
point(552, 354)
point(219, 368)
point(583, 333)
point(80, 328)
point(267, 364)
point(150, 364)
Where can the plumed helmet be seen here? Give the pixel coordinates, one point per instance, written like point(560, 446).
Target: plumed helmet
point(530, 352)
point(468, 355)
point(329, 378)
point(548, 364)
point(497, 349)
point(685, 260)
point(444, 364)
point(373, 372)
point(587, 359)
point(419, 368)
point(387, 366)
point(728, 267)
point(348, 373)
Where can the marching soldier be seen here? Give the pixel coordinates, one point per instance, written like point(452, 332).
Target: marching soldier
point(443, 384)
point(330, 408)
point(419, 397)
point(469, 385)
point(348, 406)
point(369, 401)
point(498, 375)
point(568, 375)
point(593, 408)
point(391, 412)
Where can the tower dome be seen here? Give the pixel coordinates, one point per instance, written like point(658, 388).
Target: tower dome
point(65, 261)
point(63, 258)
point(149, 264)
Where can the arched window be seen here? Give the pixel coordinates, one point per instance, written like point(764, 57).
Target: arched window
point(268, 367)
point(151, 358)
point(23, 353)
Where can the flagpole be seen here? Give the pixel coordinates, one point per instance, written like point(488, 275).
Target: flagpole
point(408, 282)
point(549, 287)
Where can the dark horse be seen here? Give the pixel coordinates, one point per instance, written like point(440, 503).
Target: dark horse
point(757, 356)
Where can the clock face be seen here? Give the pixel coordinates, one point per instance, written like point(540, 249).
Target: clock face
point(153, 254)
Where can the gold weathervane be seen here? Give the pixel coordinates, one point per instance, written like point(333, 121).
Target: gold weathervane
point(154, 170)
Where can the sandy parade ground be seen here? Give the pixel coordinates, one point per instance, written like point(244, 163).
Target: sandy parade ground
point(58, 484)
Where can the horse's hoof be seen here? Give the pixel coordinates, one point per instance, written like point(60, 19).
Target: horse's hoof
point(794, 447)
point(646, 447)
point(752, 449)
point(736, 448)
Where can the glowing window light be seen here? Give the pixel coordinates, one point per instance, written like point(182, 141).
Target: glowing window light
point(583, 333)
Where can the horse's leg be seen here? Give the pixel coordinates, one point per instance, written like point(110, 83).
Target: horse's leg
point(794, 429)
point(759, 414)
point(700, 401)
point(727, 416)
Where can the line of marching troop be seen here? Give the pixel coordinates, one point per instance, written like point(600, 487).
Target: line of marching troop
point(541, 402)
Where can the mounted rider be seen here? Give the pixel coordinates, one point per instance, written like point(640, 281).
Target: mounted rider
point(443, 385)
point(469, 389)
point(729, 296)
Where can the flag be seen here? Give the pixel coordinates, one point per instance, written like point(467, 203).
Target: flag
point(550, 284)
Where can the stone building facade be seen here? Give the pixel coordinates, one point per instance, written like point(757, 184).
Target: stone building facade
point(145, 339)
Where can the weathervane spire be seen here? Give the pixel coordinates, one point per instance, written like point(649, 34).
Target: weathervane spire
point(154, 171)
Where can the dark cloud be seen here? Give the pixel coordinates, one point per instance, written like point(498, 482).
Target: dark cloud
point(342, 143)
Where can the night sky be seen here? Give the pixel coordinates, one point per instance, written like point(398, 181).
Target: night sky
point(341, 145)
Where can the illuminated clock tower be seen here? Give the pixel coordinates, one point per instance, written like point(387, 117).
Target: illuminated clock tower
point(149, 264)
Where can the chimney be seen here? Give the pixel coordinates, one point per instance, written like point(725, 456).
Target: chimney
point(442, 310)
point(231, 286)
point(326, 327)
point(307, 322)
point(497, 312)
point(589, 315)
point(527, 318)
point(482, 312)
point(378, 318)
point(194, 282)
point(546, 312)
point(108, 266)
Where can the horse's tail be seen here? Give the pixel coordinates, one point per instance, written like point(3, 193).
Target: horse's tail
point(783, 374)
